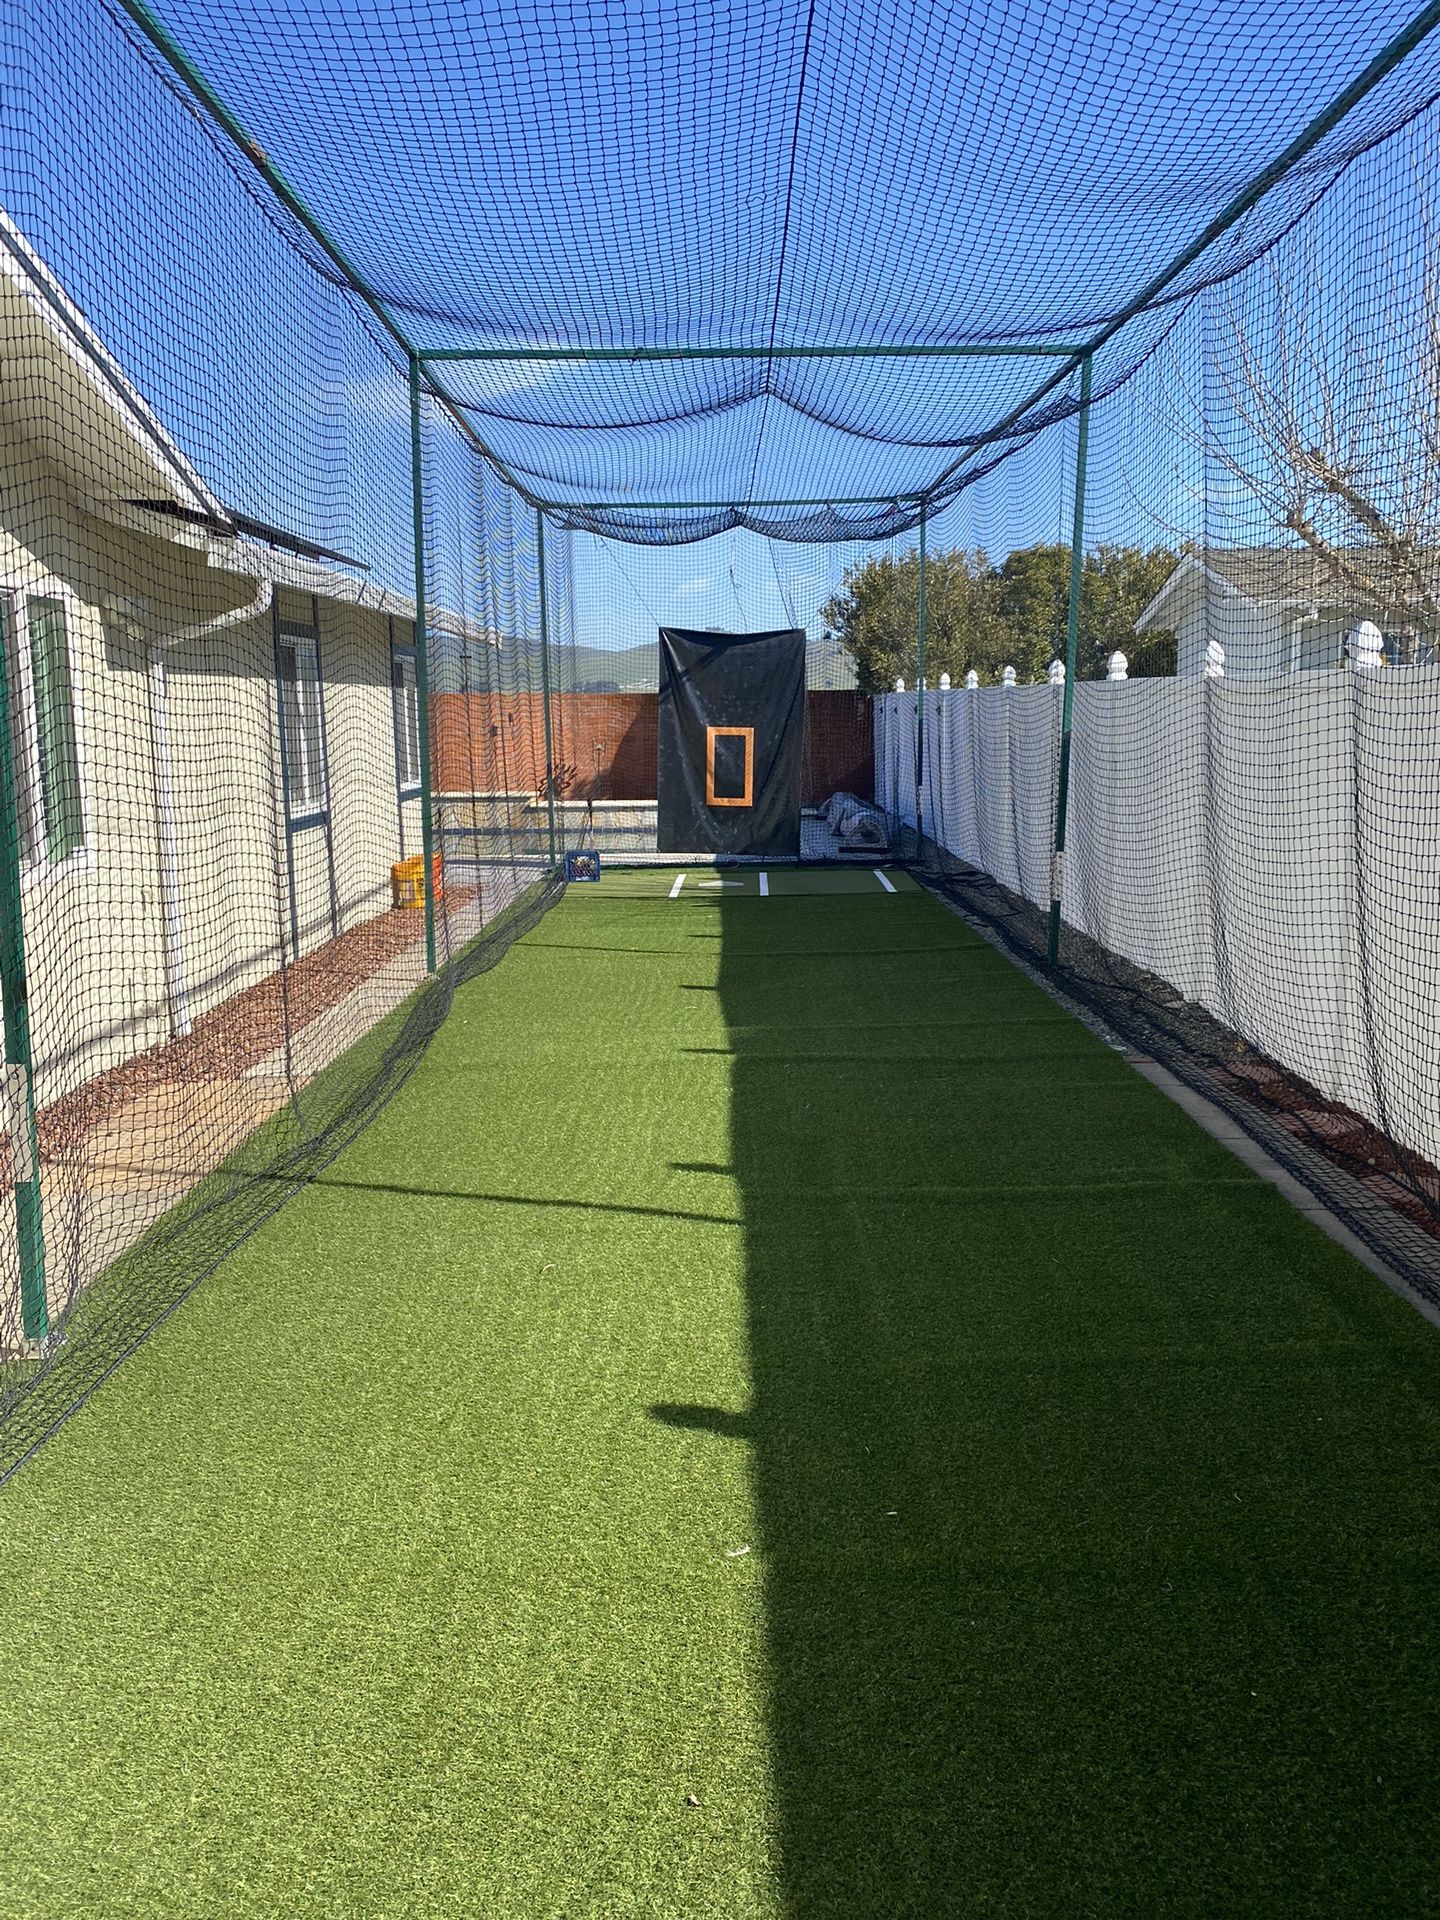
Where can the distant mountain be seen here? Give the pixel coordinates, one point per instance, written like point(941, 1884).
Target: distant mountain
point(828, 668)
point(587, 669)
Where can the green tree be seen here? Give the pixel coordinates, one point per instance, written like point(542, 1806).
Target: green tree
point(1033, 588)
point(1116, 585)
point(1119, 583)
point(987, 618)
point(874, 617)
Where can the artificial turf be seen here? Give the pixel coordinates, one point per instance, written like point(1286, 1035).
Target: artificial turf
point(768, 1355)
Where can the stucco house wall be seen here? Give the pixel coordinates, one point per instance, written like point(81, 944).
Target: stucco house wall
point(104, 983)
point(93, 940)
point(1273, 610)
point(1253, 637)
point(1259, 639)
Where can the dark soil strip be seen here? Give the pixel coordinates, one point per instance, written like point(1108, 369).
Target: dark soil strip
point(235, 1036)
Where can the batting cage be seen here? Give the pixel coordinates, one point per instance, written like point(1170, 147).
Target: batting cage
point(889, 557)
point(371, 555)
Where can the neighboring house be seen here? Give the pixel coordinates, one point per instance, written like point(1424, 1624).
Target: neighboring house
point(216, 740)
point(1278, 610)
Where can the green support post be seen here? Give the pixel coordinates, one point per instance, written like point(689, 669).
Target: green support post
point(1072, 642)
point(20, 1100)
point(180, 63)
point(545, 682)
point(422, 664)
point(639, 356)
point(920, 690)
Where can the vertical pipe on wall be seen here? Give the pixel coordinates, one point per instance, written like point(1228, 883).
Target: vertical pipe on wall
point(422, 665)
point(19, 1072)
point(545, 681)
point(920, 687)
point(177, 998)
point(1072, 640)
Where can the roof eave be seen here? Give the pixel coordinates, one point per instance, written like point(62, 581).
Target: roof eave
point(60, 320)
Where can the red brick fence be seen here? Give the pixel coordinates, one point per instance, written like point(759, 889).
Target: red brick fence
point(491, 742)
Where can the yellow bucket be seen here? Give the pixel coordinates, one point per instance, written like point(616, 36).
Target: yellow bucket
point(407, 881)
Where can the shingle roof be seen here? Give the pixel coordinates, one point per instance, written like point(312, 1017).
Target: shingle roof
point(1278, 573)
point(1295, 576)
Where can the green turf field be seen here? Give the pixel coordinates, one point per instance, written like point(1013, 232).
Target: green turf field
point(769, 1354)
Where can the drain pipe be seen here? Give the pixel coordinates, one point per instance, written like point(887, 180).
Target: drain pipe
point(237, 616)
point(177, 999)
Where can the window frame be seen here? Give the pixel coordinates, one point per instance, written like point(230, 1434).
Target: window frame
point(16, 598)
point(301, 637)
point(1393, 642)
point(405, 709)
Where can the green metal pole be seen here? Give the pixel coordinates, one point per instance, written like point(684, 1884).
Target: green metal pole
point(422, 664)
point(687, 506)
point(186, 70)
point(1051, 350)
point(1389, 57)
point(24, 1145)
point(920, 689)
point(545, 682)
point(1072, 642)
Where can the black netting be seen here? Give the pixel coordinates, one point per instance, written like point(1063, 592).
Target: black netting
point(975, 343)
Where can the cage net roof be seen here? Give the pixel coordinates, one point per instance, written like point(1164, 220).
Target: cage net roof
point(769, 175)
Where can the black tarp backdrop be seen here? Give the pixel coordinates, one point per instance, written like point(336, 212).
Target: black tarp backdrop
point(732, 729)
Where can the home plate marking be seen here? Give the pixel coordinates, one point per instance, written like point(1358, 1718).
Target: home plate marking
point(719, 883)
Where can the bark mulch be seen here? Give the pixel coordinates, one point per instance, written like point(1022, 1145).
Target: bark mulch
point(235, 1036)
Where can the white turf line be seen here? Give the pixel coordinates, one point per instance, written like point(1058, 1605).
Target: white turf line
point(679, 882)
point(884, 879)
point(764, 886)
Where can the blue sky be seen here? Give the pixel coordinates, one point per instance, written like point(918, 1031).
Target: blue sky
point(530, 172)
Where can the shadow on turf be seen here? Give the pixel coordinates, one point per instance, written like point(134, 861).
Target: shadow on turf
point(1057, 1498)
point(716, 1420)
point(522, 1200)
point(582, 946)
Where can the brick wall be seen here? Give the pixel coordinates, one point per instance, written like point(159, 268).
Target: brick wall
point(490, 742)
point(839, 746)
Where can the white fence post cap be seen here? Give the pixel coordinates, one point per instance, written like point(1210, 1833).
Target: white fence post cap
point(1365, 644)
point(1007, 678)
point(900, 684)
point(972, 678)
point(1117, 667)
point(1214, 661)
point(1057, 673)
point(944, 683)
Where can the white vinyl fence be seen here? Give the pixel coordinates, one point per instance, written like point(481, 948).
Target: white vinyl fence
point(1269, 846)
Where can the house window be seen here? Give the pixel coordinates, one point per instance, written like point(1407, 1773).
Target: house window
point(44, 731)
point(302, 722)
point(406, 701)
point(1409, 649)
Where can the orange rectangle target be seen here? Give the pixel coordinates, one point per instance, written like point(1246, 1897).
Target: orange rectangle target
point(746, 798)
